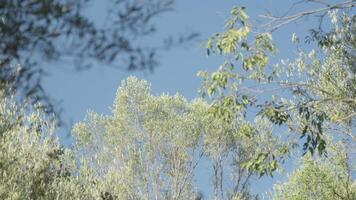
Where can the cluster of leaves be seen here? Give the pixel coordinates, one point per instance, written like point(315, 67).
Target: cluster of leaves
point(32, 164)
point(321, 85)
point(234, 42)
point(147, 148)
point(328, 178)
point(223, 87)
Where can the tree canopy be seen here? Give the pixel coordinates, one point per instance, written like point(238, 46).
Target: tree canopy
point(252, 117)
point(323, 178)
point(312, 96)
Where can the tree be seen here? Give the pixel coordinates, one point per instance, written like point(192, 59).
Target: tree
point(150, 147)
point(35, 31)
point(316, 95)
point(322, 178)
point(32, 163)
point(145, 150)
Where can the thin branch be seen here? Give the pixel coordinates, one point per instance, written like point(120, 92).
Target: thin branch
point(279, 21)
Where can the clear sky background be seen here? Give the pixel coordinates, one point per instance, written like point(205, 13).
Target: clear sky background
point(95, 89)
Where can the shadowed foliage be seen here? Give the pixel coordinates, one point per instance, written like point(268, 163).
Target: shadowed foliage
point(34, 32)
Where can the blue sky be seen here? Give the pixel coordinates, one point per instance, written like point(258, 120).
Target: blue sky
point(95, 89)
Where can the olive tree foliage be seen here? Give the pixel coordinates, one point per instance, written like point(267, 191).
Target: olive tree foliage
point(150, 146)
point(322, 178)
point(32, 163)
point(147, 148)
point(35, 32)
point(307, 98)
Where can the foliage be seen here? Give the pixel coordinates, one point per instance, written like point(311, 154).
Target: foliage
point(324, 179)
point(150, 146)
point(229, 102)
point(315, 93)
point(34, 32)
point(32, 164)
point(145, 150)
